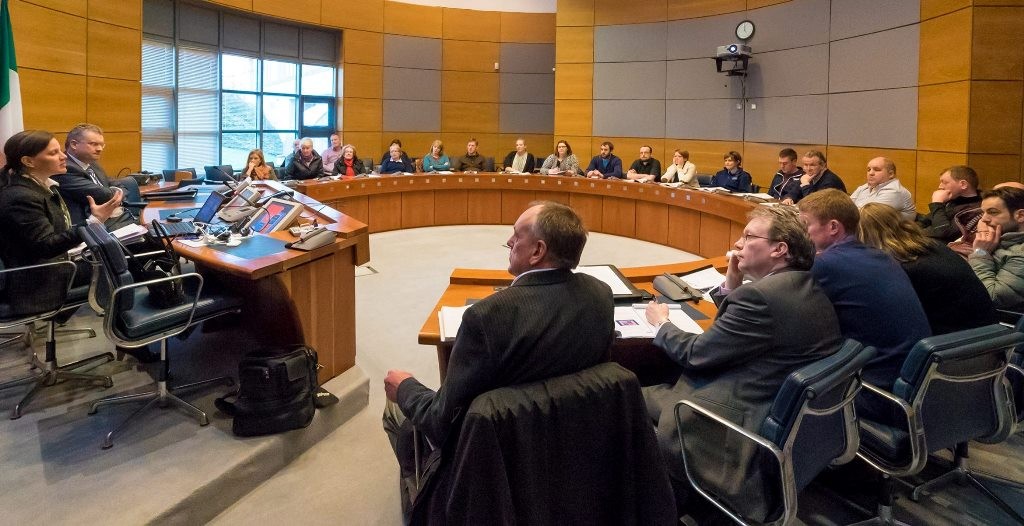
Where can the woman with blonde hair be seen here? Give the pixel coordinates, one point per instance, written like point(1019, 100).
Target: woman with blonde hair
point(681, 170)
point(436, 160)
point(952, 296)
point(256, 167)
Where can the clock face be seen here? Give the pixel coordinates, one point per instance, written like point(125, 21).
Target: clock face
point(745, 30)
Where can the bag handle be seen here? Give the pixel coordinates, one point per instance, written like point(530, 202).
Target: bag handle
point(226, 407)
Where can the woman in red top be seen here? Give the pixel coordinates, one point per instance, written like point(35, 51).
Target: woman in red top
point(348, 166)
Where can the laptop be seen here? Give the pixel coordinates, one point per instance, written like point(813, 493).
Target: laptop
point(206, 214)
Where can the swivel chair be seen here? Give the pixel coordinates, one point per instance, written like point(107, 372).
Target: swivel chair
point(173, 175)
point(811, 425)
point(43, 292)
point(220, 173)
point(132, 320)
point(960, 374)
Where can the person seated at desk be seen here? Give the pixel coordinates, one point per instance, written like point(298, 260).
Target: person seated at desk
point(436, 160)
point(958, 191)
point(85, 177)
point(348, 165)
point(35, 224)
point(519, 160)
point(562, 162)
point(998, 257)
point(872, 295)
point(257, 168)
point(883, 187)
point(396, 163)
point(786, 182)
point(472, 161)
point(732, 177)
point(646, 168)
point(681, 170)
point(605, 165)
point(817, 176)
point(950, 293)
point(305, 164)
point(549, 322)
point(387, 154)
point(763, 331)
point(331, 154)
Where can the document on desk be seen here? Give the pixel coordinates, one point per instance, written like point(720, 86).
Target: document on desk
point(450, 319)
point(606, 274)
point(704, 279)
point(631, 322)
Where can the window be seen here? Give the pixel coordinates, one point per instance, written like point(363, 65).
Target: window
point(210, 96)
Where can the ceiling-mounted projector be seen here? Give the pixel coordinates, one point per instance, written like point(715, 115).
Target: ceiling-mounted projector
point(733, 50)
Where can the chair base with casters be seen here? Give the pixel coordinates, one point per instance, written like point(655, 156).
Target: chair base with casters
point(961, 473)
point(162, 397)
point(886, 500)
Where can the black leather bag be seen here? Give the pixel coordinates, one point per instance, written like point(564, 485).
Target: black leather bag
point(165, 294)
point(277, 391)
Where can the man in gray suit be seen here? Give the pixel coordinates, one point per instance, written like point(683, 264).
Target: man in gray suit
point(85, 177)
point(549, 322)
point(764, 330)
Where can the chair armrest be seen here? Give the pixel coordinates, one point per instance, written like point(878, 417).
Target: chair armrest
point(135, 204)
point(108, 320)
point(914, 429)
point(786, 480)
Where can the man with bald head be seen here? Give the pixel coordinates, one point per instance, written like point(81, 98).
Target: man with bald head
point(883, 187)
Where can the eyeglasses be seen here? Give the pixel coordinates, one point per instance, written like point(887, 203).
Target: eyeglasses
point(746, 237)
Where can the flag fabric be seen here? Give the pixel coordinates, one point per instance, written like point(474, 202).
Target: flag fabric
point(10, 88)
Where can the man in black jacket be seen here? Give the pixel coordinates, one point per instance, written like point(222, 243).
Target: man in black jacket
point(85, 177)
point(958, 191)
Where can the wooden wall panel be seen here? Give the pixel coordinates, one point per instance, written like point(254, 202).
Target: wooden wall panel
point(574, 44)
point(367, 15)
point(52, 101)
point(114, 105)
point(362, 47)
point(474, 117)
point(652, 222)
point(464, 55)
point(414, 144)
point(78, 8)
point(537, 28)
point(127, 14)
point(945, 54)
point(618, 216)
point(942, 117)
point(245, 5)
point(930, 166)
point(755, 4)
point(574, 81)
point(385, 212)
point(122, 151)
point(680, 9)
point(575, 13)
point(412, 20)
point(451, 207)
point(308, 11)
point(483, 207)
point(993, 169)
point(993, 128)
point(589, 208)
point(363, 114)
point(417, 209)
point(615, 12)
point(513, 204)
point(714, 235)
point(34, 40)
point(114, 51)
point(467, 24)
point(470, 86)
point(934, 8)
point(455, 143)
point(366, 143)
point(998, 43)
point(684, 229)
point(574, 117)
point(363, 82)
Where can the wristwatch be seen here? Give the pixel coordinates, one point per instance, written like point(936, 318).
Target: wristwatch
point(980, 252)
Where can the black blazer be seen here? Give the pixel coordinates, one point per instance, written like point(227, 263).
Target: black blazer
point(531, 162)
point(33, 228)
point(357, 165)
point(76, 185)
point(296, 170)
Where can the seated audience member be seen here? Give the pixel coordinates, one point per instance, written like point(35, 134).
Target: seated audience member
point(85, 177)
point(436, 160)
point(732, 177)
point(952, 298)
point(387, 154)
point(817, 176)
point(305, 164)
point(646, 168)
point(873, 297)
point(958, 191)
point(549, 322)
point(998, 257)
point(348, 165)
point(786, 182)
point(883, 187)
point(331, 154)
point(396, 163)
point(562, 162)
point(519, 160)
point(681, 170)
point(35, 226)
point(256, 167)
point(605, 165)
point(472, 161)
point(763, 331)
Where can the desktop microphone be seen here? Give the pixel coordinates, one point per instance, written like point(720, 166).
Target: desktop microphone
point(279, 193)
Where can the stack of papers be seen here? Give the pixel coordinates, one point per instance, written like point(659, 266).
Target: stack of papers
point(631, 322)
point(450, 319)
point(126, 234)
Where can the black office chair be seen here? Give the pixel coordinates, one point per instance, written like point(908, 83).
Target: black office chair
point(220, 173)
point(811, 426)
point(704, 180)
point(131, 320)
point(488, 164)
point(172, 175)
point(44, 292)
point(950, 391)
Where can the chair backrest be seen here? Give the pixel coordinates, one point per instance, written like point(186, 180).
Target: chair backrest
point(704, 180)
point(959, 374)
point(488, 164)
point(33, 292)
point(541, 453)
point(174, 175)
point(812, 419)
point(222, 172)
point(113, 264)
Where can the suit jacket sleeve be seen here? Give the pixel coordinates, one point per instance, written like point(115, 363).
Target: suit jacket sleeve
point(939, 222)
point(592, 165)
point(79, 186)
point(614, 168)
point(36, 232)
point(471, 371)
point(742, 331)
point(531, 163)
point(744, 181)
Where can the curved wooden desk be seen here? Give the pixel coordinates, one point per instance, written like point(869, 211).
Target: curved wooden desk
point(293, 296)
point(697, 222)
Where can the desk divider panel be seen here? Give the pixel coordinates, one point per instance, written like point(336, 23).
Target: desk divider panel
point(417, 209)
point(652, 222)
point(451, 207)
point(385, 212)
point(715, 235)
point(684, 229)
point(513, 203)
point(484, 207)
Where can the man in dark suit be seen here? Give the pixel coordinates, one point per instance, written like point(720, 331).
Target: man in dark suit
point(549, 322)
point(817, 176)
point(85, 177)
point(764, 330)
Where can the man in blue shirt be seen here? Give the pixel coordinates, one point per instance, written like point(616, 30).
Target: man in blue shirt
point(606, 165)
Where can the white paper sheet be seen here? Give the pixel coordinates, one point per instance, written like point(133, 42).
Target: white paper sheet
point(608, 276)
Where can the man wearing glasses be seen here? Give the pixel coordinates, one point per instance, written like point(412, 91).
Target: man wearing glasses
point(85, 177)
point(763, 331)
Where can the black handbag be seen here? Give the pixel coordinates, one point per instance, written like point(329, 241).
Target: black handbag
point(277, 391)
point(165, 294)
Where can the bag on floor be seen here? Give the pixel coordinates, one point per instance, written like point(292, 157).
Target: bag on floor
point(276, 392)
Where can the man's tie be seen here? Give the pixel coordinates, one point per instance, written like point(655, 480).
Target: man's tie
point(92, 175)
